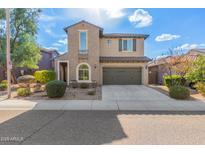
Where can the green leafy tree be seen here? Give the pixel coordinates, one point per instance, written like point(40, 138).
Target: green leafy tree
point(197, 70)
point(25, 51)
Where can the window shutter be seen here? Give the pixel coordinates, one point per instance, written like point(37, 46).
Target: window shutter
point(120, 44)
point(134, 44)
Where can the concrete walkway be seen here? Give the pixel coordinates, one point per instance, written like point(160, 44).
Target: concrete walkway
point(118, 98)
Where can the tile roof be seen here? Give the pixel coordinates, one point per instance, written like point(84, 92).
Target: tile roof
point(49, 50)
point(169, 59)
point(124, 59)
point(197, 50)
point(124, 35)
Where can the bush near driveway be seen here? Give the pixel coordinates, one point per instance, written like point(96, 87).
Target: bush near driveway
point(55, 88)
point(3, 86)
point(91, 92)
point(173, 80)
point(200, 86)
point(23, 92)
point(4, 82)
point(84, 85)
point(179, 92)
point(44, 76)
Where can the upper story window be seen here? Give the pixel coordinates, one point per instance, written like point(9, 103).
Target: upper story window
point(83, 42)
point(127, 45)
point(109, 43)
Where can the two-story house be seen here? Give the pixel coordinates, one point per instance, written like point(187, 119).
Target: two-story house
point(105, 58)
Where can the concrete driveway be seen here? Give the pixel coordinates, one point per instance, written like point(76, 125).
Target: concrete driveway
point(140, 97)
point(132, 93)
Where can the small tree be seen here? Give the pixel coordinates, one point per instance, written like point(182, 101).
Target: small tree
point(177, 63)
point(197, 71)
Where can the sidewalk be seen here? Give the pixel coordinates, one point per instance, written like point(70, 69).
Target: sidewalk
point(169, 105)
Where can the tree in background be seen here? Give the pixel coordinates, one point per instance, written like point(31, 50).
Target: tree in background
point(197, 71)
point(177, 62)
point(25, 51)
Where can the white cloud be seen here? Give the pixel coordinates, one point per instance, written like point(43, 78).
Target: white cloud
point(60, 43)
point(166, 37)
point(55, 48)
point(141, 18)
point(188, 46)
point(63, 41)
point(115, 12)
point(49, 31)
point(57, 44)
point(48, 18)
point(103, 17)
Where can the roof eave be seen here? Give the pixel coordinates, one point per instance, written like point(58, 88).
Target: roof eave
point(66, 28)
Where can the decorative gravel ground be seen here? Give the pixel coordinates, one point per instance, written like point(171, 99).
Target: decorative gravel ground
point(70, 94)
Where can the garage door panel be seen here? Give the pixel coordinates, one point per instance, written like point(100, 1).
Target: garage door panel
point(122, 76)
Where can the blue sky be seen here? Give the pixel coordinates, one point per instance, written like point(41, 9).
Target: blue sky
point(168, 28)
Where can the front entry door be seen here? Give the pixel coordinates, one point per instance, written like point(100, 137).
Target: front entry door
point(63, 71)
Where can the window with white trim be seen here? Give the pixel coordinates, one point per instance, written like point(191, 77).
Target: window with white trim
point(83, 41)
point(109, 42)
point(127, 45)
point(83, 72)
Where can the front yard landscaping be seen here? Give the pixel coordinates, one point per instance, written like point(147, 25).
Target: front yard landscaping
point(42, 86)
point(194, 95)
point(70, 94)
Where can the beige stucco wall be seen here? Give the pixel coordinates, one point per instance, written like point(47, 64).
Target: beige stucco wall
point(128, 65)
point(93, 50)
point(113, 49)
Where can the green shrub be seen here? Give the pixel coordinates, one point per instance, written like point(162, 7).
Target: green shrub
point(23, 92)
point(55, 88)
point(26, 79)
point(44, 76)
point(3, 86)
point(91, 92)
point(84, 85)
point(173, 80)
point(196, 71)
point(200, 86)
point(4, 82)
point(179, 92)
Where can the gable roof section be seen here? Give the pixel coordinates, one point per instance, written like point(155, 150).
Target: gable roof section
point(50, 51)
point(197, 50)
point(82, 21)
point(62, 56)
point(124, 35)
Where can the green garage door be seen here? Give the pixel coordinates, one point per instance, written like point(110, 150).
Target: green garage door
point(122, 76)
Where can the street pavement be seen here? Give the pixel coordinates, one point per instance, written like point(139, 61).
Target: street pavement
point(101, 127)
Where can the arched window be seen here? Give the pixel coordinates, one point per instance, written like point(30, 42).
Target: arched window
point(83, 72)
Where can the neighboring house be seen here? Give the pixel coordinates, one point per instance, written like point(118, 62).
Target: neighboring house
point(47, 59)
point(158, 68)
point(46, 62)
point(103, 58)
point(197, 52)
